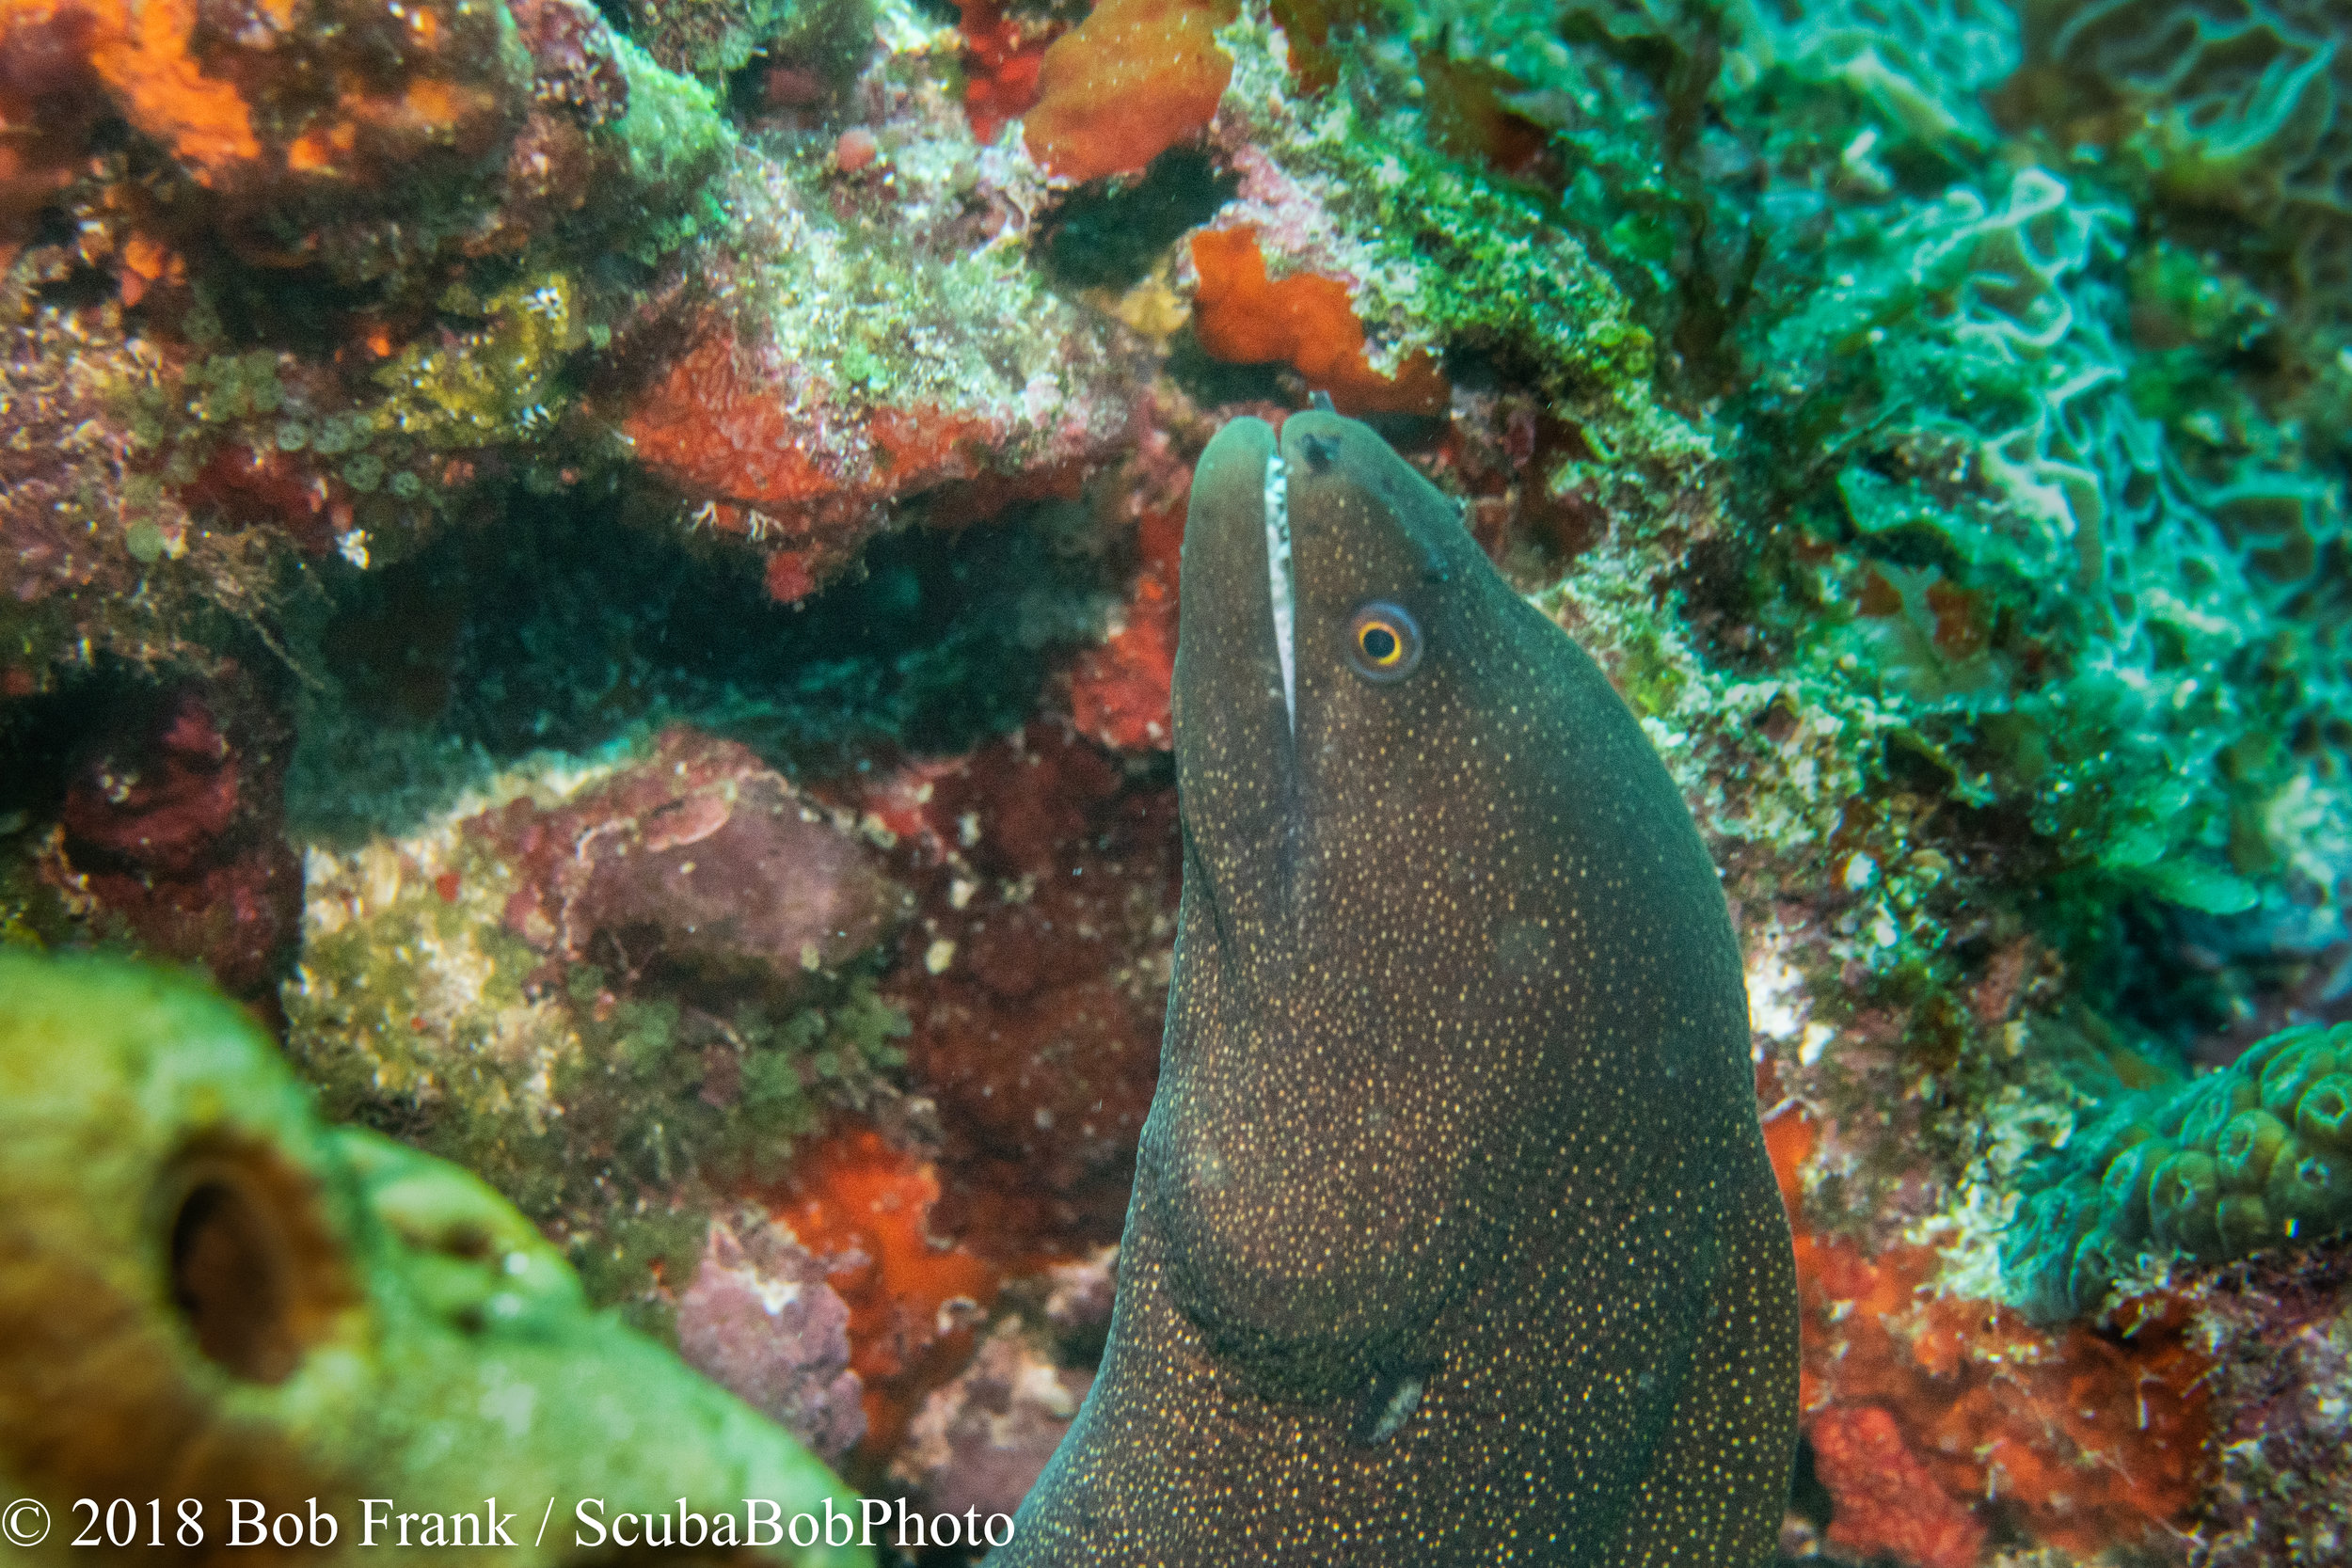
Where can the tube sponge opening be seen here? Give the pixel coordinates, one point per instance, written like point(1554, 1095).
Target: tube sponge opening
point(206, 1292)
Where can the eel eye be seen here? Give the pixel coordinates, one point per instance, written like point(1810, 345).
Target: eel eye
point(1383, 642)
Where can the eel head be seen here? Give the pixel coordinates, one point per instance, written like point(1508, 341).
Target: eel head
point(1371, 1039)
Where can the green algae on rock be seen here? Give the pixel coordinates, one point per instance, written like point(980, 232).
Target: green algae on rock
point(2258, 1155)
point(602, 985)
point(200, 1281)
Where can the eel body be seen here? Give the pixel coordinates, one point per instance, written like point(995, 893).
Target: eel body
point(1453, 1238)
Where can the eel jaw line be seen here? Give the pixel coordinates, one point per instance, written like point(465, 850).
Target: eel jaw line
point(1280, 584)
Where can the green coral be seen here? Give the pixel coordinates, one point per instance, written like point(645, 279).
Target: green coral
point(2062, 509)
point(1958, 357)
point(2258, 1155)
point(199, 1280)
point(671, 143)
point(2225, 106)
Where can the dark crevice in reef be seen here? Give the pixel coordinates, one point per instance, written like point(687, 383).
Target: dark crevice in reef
point(562, 626)
point(1214, 383)
point(42, 736)
point(1111, 236)
point(2210, 985)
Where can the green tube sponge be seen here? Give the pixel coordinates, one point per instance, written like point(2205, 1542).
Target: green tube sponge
point(2256, 1155)
point(210, 1299)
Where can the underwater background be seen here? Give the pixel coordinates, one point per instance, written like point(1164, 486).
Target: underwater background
point(609, 572)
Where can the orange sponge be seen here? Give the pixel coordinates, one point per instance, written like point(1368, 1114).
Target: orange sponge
point(1242, 316)
point(1128, 83)
point(912, 1298)
point(144, 54)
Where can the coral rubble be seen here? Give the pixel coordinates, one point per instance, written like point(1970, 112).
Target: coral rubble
point(760, 1321)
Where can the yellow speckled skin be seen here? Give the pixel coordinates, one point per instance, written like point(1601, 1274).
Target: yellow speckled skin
point(1453, 1239)
point(206, 1294)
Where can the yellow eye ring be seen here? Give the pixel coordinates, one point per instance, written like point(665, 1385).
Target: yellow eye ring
point(1383, 642)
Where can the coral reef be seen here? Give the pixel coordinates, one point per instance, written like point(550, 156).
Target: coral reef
point(1119, 691)
point(865, 1206)
point(710, 38)
point(1935, 1419)
point(858, 369)
point(435, 672)
point(1887, 1503)
point(203, 1282)
point(603, 988)
point(1304, 320)
point(484, 456)
point(345, 252)
point(1002, 53)
point(980, 1441)
point(171, 823)
point(2279, 1341)
point(1036, 978)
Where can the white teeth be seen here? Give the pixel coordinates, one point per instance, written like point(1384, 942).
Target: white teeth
point(1277, 571)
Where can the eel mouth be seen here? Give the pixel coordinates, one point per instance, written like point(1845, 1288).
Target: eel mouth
point(1281, 581)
